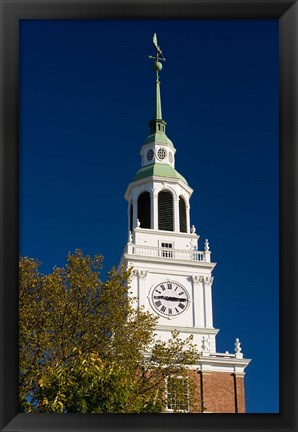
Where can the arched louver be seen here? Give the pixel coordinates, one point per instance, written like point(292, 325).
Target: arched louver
point(182, 215)
point(165, 211)
point(131, 218)
point(144, 210)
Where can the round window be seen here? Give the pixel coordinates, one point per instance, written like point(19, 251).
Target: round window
point(161, 153)
point(150, 155)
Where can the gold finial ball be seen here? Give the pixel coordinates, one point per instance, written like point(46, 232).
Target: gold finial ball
point(158, 66)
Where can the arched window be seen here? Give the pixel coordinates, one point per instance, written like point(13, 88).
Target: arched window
point(182, 214)
point(131, 218)
point(144, 210)
point(165, 211)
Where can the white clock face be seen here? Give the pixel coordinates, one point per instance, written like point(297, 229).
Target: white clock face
point(169, 299)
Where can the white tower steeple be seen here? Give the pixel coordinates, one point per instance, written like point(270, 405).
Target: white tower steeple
point(172, 278)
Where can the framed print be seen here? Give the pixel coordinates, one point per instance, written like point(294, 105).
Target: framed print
point(223, 85)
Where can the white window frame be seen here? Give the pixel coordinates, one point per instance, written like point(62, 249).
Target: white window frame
point(167, 251)
point(172, 410)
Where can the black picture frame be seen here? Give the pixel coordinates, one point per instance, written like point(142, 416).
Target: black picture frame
point(11, 13)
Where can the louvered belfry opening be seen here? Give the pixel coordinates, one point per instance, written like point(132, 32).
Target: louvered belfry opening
point(165, 211)
point(144, 210)
point(182, 214)
point(131, 218)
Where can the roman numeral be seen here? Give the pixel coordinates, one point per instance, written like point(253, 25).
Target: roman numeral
point(181, 305)
point(158, 303)
point(159, 292)
point(177, 310)
point(163, 308)
point(181, 293)
point(170, 311)
point(169, 286)
point(162, 287)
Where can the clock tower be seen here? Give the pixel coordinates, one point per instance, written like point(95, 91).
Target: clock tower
point(172, 278)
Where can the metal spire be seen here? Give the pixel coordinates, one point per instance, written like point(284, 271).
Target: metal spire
point(158, 124)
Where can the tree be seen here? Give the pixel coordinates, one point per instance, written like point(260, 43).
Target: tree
point(84, 347)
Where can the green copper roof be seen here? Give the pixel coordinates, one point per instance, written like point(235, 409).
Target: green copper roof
point(160, 170)
point(159, 137)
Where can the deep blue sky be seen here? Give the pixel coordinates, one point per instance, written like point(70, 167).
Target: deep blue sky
point(86, 97)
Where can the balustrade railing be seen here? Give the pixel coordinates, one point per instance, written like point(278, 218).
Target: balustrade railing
point(165, 253)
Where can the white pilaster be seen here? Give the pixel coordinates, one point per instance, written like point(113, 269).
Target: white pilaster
point(198, 302)
point(155, 210)
point(176, 215)
point(142, 275)
point(135, 212)
point(188, 217)
point(207, 282)
point(128, 217)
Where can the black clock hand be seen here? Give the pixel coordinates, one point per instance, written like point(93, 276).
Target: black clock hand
point(170, 298)
point(175, 299)
point(165, 297)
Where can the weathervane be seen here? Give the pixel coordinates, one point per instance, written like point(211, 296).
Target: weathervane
point(158, 56)
point(157, 123)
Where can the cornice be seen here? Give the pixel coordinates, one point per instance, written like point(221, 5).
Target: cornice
point(190, 330)
point(158, 179)
point(151, 231)
point(223, 361)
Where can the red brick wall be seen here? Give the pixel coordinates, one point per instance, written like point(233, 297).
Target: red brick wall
point(239, 382)
point(221, 392)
